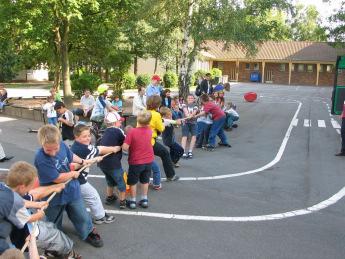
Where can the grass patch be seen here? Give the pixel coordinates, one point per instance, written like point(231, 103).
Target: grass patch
point(29, 85)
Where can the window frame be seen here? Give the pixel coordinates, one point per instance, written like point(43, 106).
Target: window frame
point(298, 68)
point(312, 68)
point(245, 66)
point(282, 65)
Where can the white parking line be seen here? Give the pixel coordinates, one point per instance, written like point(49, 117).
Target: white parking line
point(307, 123)
point(335, 124)
point(321, 124)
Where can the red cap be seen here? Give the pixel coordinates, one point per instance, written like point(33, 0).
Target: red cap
point(156, 78)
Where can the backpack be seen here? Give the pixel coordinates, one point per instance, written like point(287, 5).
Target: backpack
point(198, 91)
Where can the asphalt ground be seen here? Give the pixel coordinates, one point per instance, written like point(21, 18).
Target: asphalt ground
point(261, 204)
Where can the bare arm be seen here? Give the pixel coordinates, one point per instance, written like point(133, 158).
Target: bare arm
point(105, 150)
point(125, 147)
point(43, 191)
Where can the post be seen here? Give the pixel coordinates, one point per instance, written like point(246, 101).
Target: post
point(237, 69)
point(317, 73)
point(263, 72)
point(290, 66)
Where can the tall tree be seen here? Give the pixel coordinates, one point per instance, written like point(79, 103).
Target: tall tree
point(337, 28)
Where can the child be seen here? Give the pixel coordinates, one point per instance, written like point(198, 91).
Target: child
point(166, 98)
point(176, 151)
point(189, 126)
point(21, 179)
point(67, 121)
point(82, 148)
point(51, 113)
point(53, 165)
point(117, 103)
point(231, 116)
point(218, 117)
point(220, 100)
point(176, 112)
point(138, 143)
point(111, 165)
point(203, 126)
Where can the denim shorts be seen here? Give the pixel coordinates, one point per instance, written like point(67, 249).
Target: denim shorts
point(114, 177)
point(139, 173)
point(188, 128)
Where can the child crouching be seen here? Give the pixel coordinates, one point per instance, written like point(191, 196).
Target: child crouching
point(140, 158)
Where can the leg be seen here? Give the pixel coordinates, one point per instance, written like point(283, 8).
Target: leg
point(156, 173)
point(80, 218)
point(184, 142)
point(121, 185)
point(220, 133)
point(342, 135)
point(92, 200)
point(163, 153)
point(54, 214)
point(2, 152)
point(144, 179)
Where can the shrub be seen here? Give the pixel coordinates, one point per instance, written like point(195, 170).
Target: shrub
point(170, 79)
point(128, 81)
point(216, 74)
point(84, 81)
point(143, 80)
point(199, 73)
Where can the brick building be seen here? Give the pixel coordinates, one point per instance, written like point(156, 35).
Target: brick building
point(290, 62)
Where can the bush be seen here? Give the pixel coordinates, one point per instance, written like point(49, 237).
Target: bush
point(170, 79)
point(143, 80)
point(128, 81)
point(216, 74)
point(84, 81)
point(199, 73)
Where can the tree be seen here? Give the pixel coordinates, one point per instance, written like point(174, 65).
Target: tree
point(337, 31)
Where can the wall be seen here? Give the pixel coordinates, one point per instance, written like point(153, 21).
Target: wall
point(278, 77)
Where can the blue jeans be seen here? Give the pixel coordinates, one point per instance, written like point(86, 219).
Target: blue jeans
point(230, 120)
point(176, 115)
point(217, 130)
point(203, 130)
point(52, 121)
point(76, 212)
point(156, 173)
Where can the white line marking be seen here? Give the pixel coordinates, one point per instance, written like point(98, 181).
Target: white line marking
point(338, 130)
point(260, 169)
point(4, 119)
point(317, 207)
point(307, 123)
point(321, 124)
point(295, 122)
point(335, 124)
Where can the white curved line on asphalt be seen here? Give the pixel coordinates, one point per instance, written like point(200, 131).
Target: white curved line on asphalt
point(322, 205)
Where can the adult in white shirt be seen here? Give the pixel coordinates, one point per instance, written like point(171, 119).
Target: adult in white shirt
point(139, 101)
point(87, 102)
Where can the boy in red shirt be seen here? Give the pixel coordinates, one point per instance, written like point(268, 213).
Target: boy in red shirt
point(218, 117)
point(140, 158)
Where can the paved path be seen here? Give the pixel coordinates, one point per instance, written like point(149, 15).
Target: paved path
point(277, 193)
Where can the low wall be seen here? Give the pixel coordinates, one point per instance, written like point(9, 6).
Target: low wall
point(25, 113)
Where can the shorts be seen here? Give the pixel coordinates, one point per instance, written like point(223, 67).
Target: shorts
point(188, 128)
point(114, 177)
point(139, 173)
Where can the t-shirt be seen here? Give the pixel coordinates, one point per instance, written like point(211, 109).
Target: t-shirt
point(84, 152)
point(343, 113)
point(49, 107)
point(112, 137)
point(67, 131)
point(87, 102)
point(140, 147)
point(214, 110)
point(49, 168)
point(156, 125)
point(99, 110)
point(188, 110)
point(12, 213)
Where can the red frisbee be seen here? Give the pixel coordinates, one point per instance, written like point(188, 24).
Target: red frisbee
point(250, 96)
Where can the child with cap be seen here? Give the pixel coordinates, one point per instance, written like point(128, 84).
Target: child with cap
point(82, 147)
point(154, 88)
point(140, 158)
point(111, 165)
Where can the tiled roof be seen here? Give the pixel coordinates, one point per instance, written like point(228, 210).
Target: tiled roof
point(271, 50)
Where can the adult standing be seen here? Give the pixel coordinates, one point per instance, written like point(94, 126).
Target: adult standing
point(139, 101)
point(342, 130)
point(206, 86)
point(154, 88)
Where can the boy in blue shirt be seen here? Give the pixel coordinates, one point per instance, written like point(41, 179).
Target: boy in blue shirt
point(53, 165)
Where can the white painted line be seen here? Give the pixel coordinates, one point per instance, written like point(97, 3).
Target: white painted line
point(335, 124)
point(321, 124)
point(4, 169)
point(317, 207)
point(338, 130)
point(4, 119)
point(307, 123)
point(295, 122)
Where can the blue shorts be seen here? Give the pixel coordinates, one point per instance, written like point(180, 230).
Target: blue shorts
point(114, 177)
point(188, 128)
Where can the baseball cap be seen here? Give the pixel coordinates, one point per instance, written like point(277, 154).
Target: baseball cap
point(156, 77)
point(113, 117)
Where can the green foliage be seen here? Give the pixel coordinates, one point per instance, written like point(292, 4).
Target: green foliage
point(337, 30)
point(9, 62)
point(170, 79)
point(129, 81)
point(143, 80)
point(215, 72)
point(200, 73)
point(84, 81)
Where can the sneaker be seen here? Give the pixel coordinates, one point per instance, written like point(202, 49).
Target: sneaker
point(177, 165)
point(110, 199)
point(209, 148)
point(106, 219)
point(234, 126)
point(94, 239)
point(340, 154)
point(184, 156)
point(144, 203)
point(157, 187)
point(174, 178)
point(224, 145)
point(198, 146)
point(72, 255)
point(190, 155)
point(122, 205)
point(131, 204)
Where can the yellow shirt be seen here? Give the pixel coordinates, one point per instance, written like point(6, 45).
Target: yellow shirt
point(156, 125)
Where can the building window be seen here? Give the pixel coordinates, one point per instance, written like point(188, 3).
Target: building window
point(282, 67)
point(292, 67)
point(256, 66)
point(300, 67)
point(247, 66)
point(329, 68)
point(310, 68)
point(322, 68)
point(221, 65)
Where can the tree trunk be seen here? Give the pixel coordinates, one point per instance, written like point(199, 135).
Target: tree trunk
point(106, 75)
point(135, 65)
point(156, 66)
point(184, 61)
point(57, 54)
point(67, 89)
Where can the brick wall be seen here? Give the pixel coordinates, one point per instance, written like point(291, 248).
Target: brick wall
point(278, 77)
point(244, 74)
point(303, 78)
point(327, 78)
